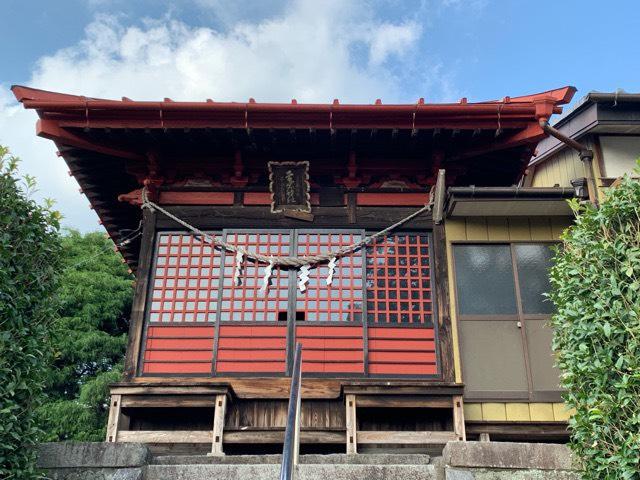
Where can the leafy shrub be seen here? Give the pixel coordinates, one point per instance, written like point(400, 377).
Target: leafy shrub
point(596, 290)
point(29, 259)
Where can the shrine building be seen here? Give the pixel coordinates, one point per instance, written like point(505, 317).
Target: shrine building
point(252, 227)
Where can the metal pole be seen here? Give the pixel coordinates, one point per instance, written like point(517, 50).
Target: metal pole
point(291, 446)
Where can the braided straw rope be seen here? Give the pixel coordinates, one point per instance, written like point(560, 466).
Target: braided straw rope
point(295, 262)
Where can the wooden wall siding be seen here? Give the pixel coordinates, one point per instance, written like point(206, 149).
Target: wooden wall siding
point(493, 229)
point(178, 349)
point(558, 170)
point(270, 414)
point(516, 412)
point(402, 351)
point(331, 349)
point(252, 349)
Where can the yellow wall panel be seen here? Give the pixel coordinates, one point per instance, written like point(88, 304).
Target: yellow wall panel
point(541, 412)
point(540, 228)
point(455, 229)
point(494, 412)
point(519, 228)
point(518, 412)
point(558, 170)
point(497, 229)
point(561, 412)
point(477, 229)
point(473, 411)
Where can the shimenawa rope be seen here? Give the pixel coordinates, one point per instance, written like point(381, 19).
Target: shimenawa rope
point(295, 262)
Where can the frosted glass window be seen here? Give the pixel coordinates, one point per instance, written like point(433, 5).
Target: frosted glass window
point(484, 277)
point(533, 262)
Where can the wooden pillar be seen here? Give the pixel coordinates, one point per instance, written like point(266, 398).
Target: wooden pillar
point(218, 424)
point(143, 274)
point(458, 418)
point(352, 425)
point(114, 418)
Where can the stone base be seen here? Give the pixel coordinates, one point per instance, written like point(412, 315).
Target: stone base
point(460, 461)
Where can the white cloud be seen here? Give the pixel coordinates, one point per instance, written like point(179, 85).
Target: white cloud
point(390, 40)
point(307, 52)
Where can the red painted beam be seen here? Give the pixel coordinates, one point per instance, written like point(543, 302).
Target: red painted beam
point(51, 129)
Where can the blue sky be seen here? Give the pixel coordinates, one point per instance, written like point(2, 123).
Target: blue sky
point(313, 50)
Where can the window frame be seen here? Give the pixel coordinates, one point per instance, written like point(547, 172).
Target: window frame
point(533, 395)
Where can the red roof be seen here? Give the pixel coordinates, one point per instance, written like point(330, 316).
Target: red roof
point(80, 111)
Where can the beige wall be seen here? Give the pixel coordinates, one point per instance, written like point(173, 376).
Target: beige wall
point(619, 155)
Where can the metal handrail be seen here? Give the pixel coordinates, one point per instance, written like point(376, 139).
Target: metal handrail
point(291, 447)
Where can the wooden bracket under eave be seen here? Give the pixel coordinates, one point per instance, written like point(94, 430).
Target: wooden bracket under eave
point(134, 197)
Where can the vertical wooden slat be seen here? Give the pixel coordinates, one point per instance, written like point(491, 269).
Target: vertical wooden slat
point(351, 421)
point(218, 425)
point(458, 418)
point(136, 325)
point(114, 418)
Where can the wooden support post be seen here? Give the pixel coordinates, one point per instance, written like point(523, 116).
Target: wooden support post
point(484, 437)
point(352, 425)
point(114, 418)
point(218, 425)
point(458, 418)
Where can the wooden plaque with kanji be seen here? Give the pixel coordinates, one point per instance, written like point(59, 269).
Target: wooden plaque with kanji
point(289, 186)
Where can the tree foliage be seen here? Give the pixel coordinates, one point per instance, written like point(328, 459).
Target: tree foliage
point(29, 262)
point(596, 290)
point(89, 339)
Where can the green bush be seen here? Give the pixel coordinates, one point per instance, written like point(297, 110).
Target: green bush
point(89, 338)
point(596, 290)
point(29, 260)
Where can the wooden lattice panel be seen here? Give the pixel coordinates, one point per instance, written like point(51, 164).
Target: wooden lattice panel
point(342, 300)
point(185, 280)
point(245, 302)
point(399, 281)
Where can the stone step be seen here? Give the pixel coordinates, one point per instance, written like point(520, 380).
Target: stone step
point(304, 472)
point(336, 459)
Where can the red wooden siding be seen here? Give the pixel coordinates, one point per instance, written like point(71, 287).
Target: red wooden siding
point(402, 351)
point(252, 349)
point(196, 198)
point(331, 349)
point(181, 350)
point(264, 198)
point(392, 199)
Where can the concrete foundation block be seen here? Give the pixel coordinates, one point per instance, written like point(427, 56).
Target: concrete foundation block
point(507, 455)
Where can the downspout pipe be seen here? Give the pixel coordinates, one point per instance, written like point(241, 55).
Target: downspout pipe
point(585, 154)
